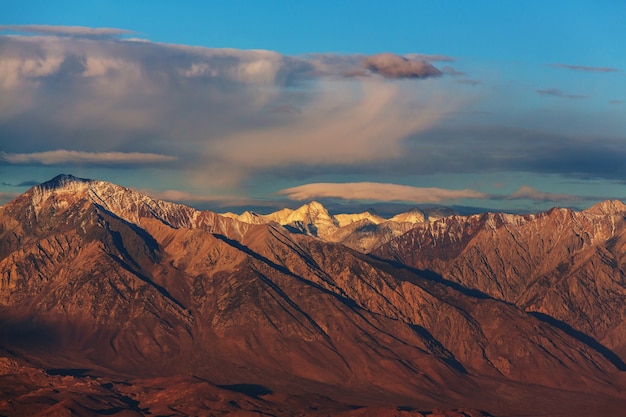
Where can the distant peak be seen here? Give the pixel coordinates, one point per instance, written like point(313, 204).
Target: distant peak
point(61, 181)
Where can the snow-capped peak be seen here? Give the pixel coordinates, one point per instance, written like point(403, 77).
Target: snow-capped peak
point(63, 184)
point(130, 205)
point(411, 216)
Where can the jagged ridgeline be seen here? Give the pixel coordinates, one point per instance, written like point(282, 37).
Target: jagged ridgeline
point(115, 302)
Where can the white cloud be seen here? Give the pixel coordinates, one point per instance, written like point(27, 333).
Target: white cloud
point(64, 156)
point(374, 191)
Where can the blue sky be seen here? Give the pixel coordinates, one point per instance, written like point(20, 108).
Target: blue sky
point(236, 105)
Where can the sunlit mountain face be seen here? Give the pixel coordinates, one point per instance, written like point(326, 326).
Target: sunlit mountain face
point(113, 302)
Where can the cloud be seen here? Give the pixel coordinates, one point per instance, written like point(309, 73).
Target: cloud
point(42, 59)
point(28, 183)
point(616, 101)
point(343, 125)
point(213, 201)
point(178, 195)
point(387, 65)
point(430, 57)
point(483, 148)
point(585, 68)
point(78, 157)
point(451, 71)
point(528, 193)
point(357, 73)
point(395, 66)
point(555, 92)
point(230, 116)
point(373, 191)
point(71, 31)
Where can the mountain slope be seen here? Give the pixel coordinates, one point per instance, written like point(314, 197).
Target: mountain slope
point(135, 288)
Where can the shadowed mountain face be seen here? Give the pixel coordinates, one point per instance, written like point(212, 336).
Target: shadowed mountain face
point(114, 303)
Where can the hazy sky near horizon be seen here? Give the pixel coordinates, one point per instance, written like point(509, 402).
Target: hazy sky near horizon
point(236, 105)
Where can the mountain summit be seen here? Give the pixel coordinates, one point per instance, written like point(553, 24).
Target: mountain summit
point(114, 302)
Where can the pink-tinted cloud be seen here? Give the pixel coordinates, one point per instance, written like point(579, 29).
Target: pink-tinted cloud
point(395, 66)
point(63, 156)
point(73, 31)
point(374, 191)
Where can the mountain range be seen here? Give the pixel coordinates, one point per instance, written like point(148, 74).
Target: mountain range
point(115, 303)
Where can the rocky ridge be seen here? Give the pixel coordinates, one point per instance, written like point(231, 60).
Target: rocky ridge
point(361, 231)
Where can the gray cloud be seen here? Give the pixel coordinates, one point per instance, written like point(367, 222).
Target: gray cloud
point(555, 92)
point(487, 149)
point(396, 66)
point(226, 114)
point(430, 57)
point(585, 68)
point(28, 183)
point(506, 149)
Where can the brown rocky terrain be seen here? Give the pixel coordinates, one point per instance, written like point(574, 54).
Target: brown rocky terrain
point(566, 267)
point(113, 303)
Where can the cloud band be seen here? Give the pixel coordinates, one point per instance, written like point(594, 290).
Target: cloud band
point(62, 156)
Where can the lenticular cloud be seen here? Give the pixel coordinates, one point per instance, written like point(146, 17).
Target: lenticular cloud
point(373, 191)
